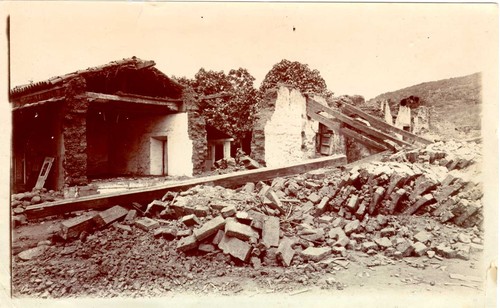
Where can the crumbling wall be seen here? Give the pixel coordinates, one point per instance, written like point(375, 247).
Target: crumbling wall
point(289, 135)
point(421, 120)
point(75, 133)
point(266, 110)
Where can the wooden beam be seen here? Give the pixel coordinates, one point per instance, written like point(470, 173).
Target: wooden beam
point(103, 98)
point(379, 124)
point(146, 195)
point(375, 157)
point(363, 139)
point(314, 107)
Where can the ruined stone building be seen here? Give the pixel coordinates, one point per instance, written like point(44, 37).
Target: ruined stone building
point(284, 133)
point(122, 118)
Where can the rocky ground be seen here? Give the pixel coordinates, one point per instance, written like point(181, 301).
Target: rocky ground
point(412, 222)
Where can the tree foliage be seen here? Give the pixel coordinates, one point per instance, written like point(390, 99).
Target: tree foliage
point(232, 113)
point(297, 75)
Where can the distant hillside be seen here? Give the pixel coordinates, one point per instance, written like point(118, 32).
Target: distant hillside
point(455, 103)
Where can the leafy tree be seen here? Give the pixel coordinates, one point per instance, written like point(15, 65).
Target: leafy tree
point(232, 112)
point(296, 74)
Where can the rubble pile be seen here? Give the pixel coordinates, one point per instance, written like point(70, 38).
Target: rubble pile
point(20, 201)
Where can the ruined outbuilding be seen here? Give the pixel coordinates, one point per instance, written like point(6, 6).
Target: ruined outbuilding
point(122, 118)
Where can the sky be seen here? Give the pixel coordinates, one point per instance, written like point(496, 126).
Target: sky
point(364, 49)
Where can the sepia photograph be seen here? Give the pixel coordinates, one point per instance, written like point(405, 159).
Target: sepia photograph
point(249, 153)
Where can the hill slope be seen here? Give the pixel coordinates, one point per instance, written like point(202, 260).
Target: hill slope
point(455, 104)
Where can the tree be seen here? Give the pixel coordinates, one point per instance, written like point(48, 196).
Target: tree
point(296, 74)
point(232, 113)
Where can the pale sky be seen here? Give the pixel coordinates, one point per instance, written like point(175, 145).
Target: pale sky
point(365, 49)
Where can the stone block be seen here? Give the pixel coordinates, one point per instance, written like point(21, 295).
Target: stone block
point(377, 197)
point(360, 213)
point(397, 181)
point(444, 192)
point(156, 206)
point(218, 237)
point(314, 198)
point(235, 247)
point(395, 199)
point(271, 231)
point(285, 251)
point(405, 247)
point(275, 201)
point(353, 203)
point(206, 247)
point(110, 215)
point(424, 200)
point(201, 211)
point(183, 233)
point(369, 245)
point(187, 243)
point(423, 237)
point(387, 232)
point(228, 211)
point(131, 215)
point(352, 226)
point(322, 206)
point(209, 228)
point(32, 253)
point(147, 224)
point(445, 251)
point(316, 253)
point(243, 217)
point(422, 188)
point(72, 227)
point(339, 250)
point(122, 227)
point(241, 231)
point(166, 233)
point(419, 249)
point(383, 242)
point(249, 187)
point(190, 220)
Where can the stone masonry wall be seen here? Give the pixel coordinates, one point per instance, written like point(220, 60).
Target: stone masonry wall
point(75, 134)
point(197, 132)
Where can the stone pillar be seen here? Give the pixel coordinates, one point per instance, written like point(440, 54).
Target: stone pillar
point(74, 133)
point(197, 132)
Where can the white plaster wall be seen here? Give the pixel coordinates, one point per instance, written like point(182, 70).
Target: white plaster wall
point(288, 130)
point(179, 146)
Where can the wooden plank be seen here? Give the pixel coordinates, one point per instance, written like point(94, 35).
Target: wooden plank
point(314, 107)
point(382, 125)
point(102, 98)
point(374, 157)
point(363, 139)
point(146, 195)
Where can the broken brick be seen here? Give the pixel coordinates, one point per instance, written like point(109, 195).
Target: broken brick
point(366, 246)
point(445, 251)
point(444, 192)
point(249, 187)
point(190, 220)
point(285, 251)
point(206, 248)
point(122, 227)
point(110, 215)
point(130, 216)
point(387, 232)
point(239, 230)
point(209, 228)
point(235, 247)
point(183, 233)
point(147, 224)
point(271, 231)
point(405, 247)
point(316, 253)
point(397, 180)
point(156, 206)
point(422, 188)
